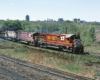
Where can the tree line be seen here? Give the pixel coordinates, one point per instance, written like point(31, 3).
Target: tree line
point(86, 31)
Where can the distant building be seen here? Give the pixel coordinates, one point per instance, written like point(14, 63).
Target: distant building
point(49, 20)
point(79, 21)
point(45, 20)
point(55, 21)
point(76, 20)
point(27, 18)
point(60, 20)
point(38, 21)
point(83, 22)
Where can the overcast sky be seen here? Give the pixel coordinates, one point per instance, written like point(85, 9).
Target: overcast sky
point(88, 10)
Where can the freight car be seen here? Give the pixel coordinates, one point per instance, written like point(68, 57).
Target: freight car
point(27, 37)
point(10, 34)
point(65, 42)
point(20, 36)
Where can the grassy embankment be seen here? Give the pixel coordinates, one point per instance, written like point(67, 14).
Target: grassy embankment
point(79, 64)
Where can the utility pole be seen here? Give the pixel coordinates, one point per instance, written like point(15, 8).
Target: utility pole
point(66, 30)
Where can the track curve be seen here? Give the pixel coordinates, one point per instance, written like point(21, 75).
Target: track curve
point(40, 72)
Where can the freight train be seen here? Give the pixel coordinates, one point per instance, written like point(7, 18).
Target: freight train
point(65, 42)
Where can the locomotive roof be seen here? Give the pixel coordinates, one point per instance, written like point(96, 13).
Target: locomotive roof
point(69, 35)
point(28, 32)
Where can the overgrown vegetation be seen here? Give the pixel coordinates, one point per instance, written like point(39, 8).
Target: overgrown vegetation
point(80, 64)
point(86, 31)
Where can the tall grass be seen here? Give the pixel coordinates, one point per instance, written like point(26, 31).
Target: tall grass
point(56, 59)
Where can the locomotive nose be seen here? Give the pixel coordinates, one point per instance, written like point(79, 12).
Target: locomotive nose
point(78, 43)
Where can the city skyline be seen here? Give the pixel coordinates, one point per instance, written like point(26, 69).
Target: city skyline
point(41, 10)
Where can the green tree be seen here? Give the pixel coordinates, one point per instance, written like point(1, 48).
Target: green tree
point(13, 24)
point(92, 33)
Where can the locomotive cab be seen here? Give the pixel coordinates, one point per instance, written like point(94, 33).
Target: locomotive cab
point(77, 46)
point(72, 38)
point(35, 38)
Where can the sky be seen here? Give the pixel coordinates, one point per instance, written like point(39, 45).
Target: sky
point(88, 10)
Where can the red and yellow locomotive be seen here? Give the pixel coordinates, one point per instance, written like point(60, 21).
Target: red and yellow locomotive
point(65, 42)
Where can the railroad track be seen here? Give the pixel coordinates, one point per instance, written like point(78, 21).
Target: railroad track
point(11, 74)
point(18, 72)
point(36, 72)
point(3, 77)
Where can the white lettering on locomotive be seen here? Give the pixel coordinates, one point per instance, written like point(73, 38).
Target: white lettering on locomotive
point(62, 38)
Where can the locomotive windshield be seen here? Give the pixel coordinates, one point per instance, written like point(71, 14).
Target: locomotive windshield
point(73, 37)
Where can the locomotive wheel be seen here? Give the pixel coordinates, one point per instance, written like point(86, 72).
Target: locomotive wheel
point(74, 50)
point(64, 49)
point(60, 48)
point(30, 43)
point(81, 50)
point(44, 45)
point(19, 40)
point(40, 45)
point(77, 50)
